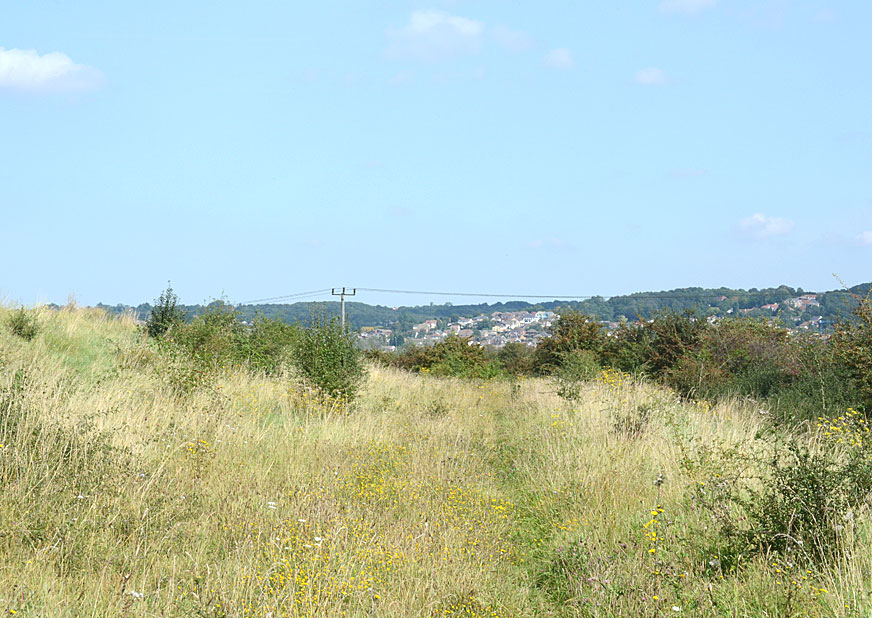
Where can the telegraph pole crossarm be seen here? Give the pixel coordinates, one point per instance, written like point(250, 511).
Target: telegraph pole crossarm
point(342, 296)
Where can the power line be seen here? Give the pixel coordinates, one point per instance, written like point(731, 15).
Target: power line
point(555, 296)
point(298, 295)
point(629, 297)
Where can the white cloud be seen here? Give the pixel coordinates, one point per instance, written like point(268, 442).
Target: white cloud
point(560, 58)
point(25, 70)
point(688, 7)
point(762, 226)
point(865, 238)
point(435, 35)
point(512, 40)
point(651, 77)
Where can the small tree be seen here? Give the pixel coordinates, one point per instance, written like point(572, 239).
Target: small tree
point(165, 314)
point(328, 358)
point(853, 344)
point(572, 331)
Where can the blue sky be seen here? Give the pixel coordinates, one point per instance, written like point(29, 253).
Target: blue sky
point(560, 147)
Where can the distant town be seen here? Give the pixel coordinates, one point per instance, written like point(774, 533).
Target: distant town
point(495, 325)
point(528, 327)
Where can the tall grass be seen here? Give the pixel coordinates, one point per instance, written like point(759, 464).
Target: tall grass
point(253, 496)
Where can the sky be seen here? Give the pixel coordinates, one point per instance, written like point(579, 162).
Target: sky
point(267, 148)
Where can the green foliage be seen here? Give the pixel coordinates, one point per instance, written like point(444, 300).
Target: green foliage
point(576, 367)
point(461, 358)
point(795, 376)
point(800, 497)
point(269, 345)
point(671, 336)
point(853, 344)
point(23, 324)
point(516, 358)
point(328, 358)
point(454, 356)
point(165, 314)
point(194, 352)
point(572, 331)
point(214, 338)
point(806, 500)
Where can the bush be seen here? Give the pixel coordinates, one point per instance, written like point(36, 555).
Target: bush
point(23, 324)
point(806, 500)
point(269, 345)
point(516, 358)
point(572, 331)
point(798, 376)
point(459, 357)
point(853, 344)
point(575, 369)
point(788, 497)
point(165, 314)
point(454, 356)
point(328, 359)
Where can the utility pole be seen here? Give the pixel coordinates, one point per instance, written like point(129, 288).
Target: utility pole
point(342, 296)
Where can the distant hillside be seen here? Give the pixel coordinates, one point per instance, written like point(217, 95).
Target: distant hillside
point(831, 305)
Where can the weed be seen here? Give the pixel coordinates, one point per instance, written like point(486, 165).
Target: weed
point(22, 323)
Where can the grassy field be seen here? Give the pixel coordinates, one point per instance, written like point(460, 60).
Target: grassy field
point(251, 496)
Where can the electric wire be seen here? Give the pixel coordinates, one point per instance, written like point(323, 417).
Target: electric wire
point(298, 295)
point(641, 296)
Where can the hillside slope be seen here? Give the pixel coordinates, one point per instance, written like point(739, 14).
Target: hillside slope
point(427, 497)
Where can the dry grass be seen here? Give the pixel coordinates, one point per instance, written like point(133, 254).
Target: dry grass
point(430, 497)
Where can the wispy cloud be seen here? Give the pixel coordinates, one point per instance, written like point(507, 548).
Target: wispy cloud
point(865, 238)
point(760, 226)
point(688, 7)
point(435, 35)
point(512, 40)
point(24, 70)
point(651, 77)
point(560, 58)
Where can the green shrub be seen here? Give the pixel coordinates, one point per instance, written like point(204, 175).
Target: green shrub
point(268, 346)
point(328, 359)
point(382, 357)
point(853, 344)
point(671, 336)
point(218, 339)
point(797, 377)
point(23, 324)
point(165, 314)
point(576, 367)
point(454, 356)
point(784, 496)
point(806, 500)
point(516, 358)
point(572, 331)
point(214, 337)
point(461, 358)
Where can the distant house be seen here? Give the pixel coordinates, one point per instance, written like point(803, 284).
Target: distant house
point(804, 301)
point(771, 307)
